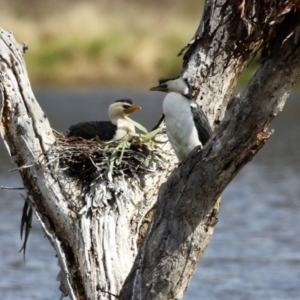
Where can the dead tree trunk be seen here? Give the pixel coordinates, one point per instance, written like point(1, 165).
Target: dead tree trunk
point(98, 228)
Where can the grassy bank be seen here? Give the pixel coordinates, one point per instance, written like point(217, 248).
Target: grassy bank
point(108, 44)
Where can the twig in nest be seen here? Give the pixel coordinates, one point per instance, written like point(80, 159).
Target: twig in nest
point(91, 159)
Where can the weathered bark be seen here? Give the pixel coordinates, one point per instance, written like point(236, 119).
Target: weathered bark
point(97, 229)
point(188, 203)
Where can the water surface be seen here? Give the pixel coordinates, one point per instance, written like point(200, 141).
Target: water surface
point(255, 250)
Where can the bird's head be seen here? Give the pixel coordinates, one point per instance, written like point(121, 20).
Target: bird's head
point(178, 85)
point(122, 108)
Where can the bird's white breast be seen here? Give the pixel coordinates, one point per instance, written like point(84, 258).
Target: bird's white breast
point(180, 126)
point(123, 129)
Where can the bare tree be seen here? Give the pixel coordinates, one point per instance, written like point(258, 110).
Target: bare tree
point(141, 236)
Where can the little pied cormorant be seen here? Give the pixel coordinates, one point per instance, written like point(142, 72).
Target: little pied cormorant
point(117, 129)
point(186, 124)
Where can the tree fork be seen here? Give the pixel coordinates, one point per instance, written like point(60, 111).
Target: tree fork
point(99, 232)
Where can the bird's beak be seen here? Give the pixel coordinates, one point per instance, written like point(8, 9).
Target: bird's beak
point(160, 88)
point(132, 109)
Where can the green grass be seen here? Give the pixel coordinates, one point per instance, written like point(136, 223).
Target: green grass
point(102, 44)
point(85, 44)
point(53, 56)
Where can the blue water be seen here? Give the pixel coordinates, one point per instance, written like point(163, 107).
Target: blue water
point(255, 250)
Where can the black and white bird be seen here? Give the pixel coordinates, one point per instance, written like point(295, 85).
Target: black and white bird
point(186, 124)
point(117, 129)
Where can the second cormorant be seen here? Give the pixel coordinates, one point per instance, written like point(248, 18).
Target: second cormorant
point(186, 124)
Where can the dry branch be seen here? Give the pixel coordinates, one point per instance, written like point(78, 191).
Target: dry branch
point(99, 227)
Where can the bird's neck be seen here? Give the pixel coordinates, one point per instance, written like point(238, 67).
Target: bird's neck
point(115, 118)
point(122, 123)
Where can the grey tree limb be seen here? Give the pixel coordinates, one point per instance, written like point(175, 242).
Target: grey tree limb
point(188, 203)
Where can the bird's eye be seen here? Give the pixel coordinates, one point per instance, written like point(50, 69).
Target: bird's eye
point(126, 106)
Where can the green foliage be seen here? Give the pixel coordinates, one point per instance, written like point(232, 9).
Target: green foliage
point(54, 56)
point(144, 139)
point(148, 139)
point(26, 222)
point(121, 146)
point(137, 125)
point(95, 48)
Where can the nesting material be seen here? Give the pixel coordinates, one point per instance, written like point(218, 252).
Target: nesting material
point(87, 160)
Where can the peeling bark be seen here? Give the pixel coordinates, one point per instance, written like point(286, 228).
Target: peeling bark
point(100, 231)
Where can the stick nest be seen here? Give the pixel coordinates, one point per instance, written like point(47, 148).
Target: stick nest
point(88, 160)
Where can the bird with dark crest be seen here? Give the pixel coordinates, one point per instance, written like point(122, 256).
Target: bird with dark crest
point(186, 124)
point(117, 129)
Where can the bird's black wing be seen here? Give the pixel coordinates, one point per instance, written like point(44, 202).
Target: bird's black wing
point(105, 130)
point(201, 123)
